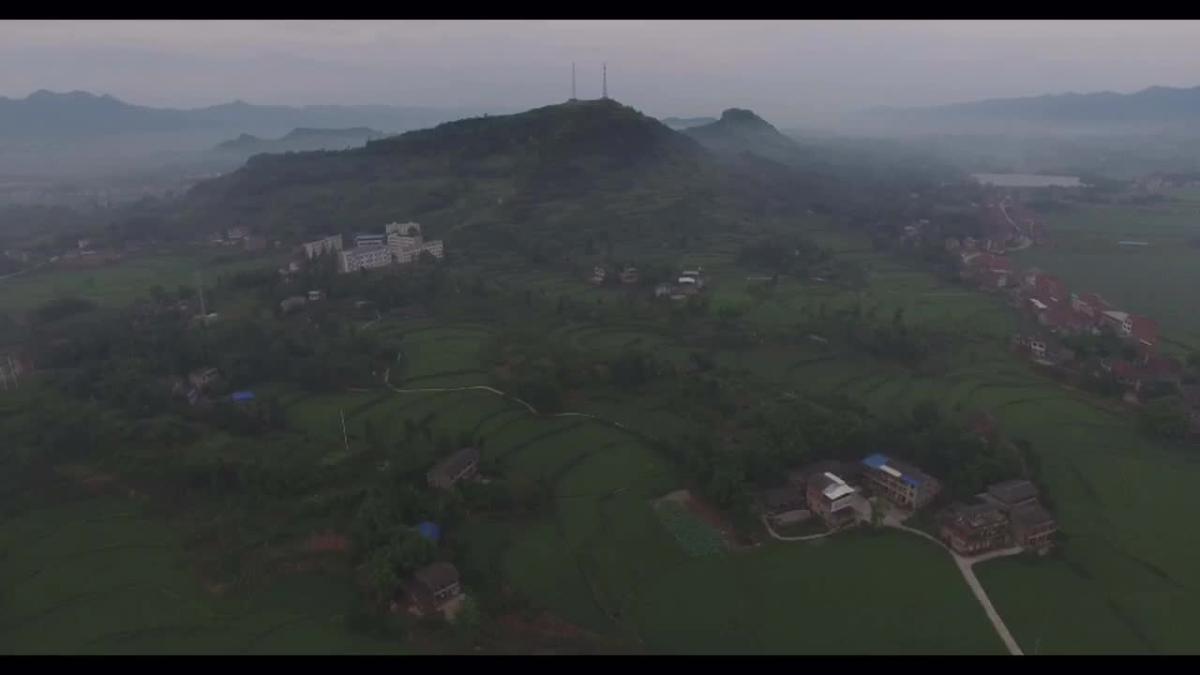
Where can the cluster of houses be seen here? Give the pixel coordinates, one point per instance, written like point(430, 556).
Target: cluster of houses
point(399, 243)
point(1060, 312)
point(689, 283)
point(628, 276)
point(292, 303)
point(243, 237)
point(437, 588)
point(1007, 514)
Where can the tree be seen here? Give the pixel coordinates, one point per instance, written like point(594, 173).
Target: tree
point(381, 577)
point(468, 619)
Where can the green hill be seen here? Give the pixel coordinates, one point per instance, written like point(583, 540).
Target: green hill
point(561, 174)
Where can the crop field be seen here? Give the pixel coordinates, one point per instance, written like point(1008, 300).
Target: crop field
point(850, 594)
point(695, 536)
point(122, 282)
point(98, 577)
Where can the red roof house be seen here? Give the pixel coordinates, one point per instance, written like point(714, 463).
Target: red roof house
point(1143, 330)
point(1052, 287)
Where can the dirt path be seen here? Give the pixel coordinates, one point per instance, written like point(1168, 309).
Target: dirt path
point(482, 387)
point(808, 537)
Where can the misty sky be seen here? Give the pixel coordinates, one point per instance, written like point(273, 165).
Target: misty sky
point(788, 71)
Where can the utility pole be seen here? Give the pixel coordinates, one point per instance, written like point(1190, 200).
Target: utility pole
point(200, 292)
point(345, 437)
point(572, 80)
point(604, 85)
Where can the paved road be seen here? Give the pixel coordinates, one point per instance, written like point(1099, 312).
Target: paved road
point(965, 565)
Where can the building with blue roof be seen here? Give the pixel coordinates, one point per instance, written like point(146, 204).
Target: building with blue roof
point(430, 531)
point(900, 482)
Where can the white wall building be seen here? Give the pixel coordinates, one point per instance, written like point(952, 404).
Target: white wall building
point(365, 257)
point(330, 244)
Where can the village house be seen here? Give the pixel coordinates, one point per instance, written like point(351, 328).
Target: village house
point(255, 242)
point(315, 295)
point(899, 482)
point(1090, 305)
point(599, 274)
point(1149, 370)
point(1063, 320)
point(291, 304)
point(1142, 331)
point(1010, 494)
point(834, 500)
point(1033, 527)
point(461, 465)
point(692, 278)
point(629, 275)
point(331, 244)
point(784, 505)
point(1031, 524)
point(1042, 350)
point(370, 257)
point(971, 530)
point(203, 378)
point(433, 587)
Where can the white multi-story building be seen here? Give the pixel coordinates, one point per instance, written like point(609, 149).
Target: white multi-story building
point(370, 239)
point(330, 244)
point(407, 243)
point(365, 257)
point(405, 229)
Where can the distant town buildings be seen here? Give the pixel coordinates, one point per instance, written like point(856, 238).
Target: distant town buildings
point(364, 257)
point(331, 244)
point(407, 243)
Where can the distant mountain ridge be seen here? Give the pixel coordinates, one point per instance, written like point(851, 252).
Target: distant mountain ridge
point(83, 114)
point(301, 140)
point(1153, 108)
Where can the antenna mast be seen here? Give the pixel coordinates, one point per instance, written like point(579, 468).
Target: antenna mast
point(604, 90)
point(572, 80)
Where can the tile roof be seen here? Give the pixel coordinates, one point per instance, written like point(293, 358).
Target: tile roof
point(1013, 491)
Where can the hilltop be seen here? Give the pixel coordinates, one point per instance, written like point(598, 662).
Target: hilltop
point(739, 131)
